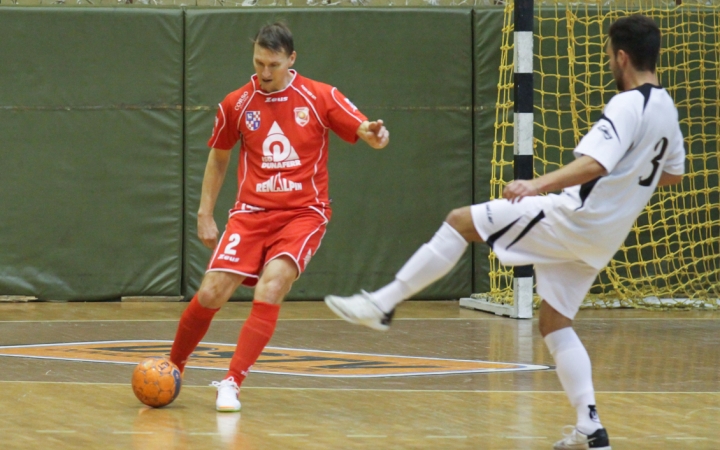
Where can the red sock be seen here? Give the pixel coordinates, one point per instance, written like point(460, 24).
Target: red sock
point(194, 323)
point(254, 336)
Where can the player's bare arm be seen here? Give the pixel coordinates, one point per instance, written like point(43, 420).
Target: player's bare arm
point(374, 133)
point(577, 172)
point(667, 179)
point(215, 170)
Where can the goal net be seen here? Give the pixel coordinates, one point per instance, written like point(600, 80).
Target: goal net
point(671, 257)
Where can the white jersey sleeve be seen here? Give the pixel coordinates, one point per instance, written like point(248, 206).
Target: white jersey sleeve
point(675, 163)
point(609, 139)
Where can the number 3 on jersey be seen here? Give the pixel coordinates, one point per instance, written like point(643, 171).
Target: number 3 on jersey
point(655, 162)
point(234, 241)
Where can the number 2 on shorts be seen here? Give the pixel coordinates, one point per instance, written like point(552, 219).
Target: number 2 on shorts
point(234, 241)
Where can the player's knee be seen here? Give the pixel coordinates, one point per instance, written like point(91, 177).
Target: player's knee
point(274, 289)
point(461, 220)
point(456, 219)
point(543, 327)
point(212, 296)
point(550, 320)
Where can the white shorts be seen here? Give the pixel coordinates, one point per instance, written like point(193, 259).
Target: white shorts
point(519, 235)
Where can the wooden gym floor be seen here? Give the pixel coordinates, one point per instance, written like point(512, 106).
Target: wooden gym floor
point(657, 376)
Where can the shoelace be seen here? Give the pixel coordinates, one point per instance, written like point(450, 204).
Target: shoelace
point(224, 384)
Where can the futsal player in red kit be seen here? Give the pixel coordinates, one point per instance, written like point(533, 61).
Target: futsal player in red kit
point(282, 120)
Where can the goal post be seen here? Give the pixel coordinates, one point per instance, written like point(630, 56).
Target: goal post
point(521, 306)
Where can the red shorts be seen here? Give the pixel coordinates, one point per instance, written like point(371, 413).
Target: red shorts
point(253, 239)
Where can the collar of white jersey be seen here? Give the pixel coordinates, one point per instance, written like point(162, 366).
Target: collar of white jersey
point(255, 82)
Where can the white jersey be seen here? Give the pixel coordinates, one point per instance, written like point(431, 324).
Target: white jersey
point(636, 139)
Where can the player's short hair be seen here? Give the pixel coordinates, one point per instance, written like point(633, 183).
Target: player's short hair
point(639, 37)
point(276, 37)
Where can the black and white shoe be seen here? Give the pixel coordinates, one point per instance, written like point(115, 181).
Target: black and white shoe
point(360, 309)
point(576, 440)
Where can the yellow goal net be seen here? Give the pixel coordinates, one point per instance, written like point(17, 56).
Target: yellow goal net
point(671, 257)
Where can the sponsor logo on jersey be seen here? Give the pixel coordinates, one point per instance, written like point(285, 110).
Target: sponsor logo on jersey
point(307, 91)
point(277, 151)
point(252, 120)
point(605, 131)
point(276, 99)
point(276, 183)
point(302, 115)
point(241, 101)
point(354, 108)
point(275, 360)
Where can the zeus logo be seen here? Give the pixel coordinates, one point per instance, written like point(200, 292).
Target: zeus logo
point(277, 151)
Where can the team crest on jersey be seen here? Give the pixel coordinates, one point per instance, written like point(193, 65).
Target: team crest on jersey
point(302, 116)
point(252, 120)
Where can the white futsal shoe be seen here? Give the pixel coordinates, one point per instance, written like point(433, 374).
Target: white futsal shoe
point(575, 440)
point(227, 395)
point(360, 309)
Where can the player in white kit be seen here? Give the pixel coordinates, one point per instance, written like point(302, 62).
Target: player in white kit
point(635, 146)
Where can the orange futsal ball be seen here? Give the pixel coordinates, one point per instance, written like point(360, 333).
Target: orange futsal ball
point(156, 381)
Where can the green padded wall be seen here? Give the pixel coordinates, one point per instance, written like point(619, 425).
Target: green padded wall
point(412, 68)
point(487, 39)
point(90, 152)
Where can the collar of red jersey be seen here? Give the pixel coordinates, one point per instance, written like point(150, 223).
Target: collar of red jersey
point(261, 92)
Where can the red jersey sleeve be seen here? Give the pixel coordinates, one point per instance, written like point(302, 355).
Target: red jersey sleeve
point(343, 116)
point(225, 133)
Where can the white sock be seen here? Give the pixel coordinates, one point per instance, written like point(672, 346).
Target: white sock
point(387, 297)
point(430, 262)
point(575, 372)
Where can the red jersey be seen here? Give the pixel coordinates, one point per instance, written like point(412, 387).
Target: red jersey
point(285, 136)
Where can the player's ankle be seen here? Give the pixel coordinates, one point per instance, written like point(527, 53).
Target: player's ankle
point(388, 297)
point(236, 377)
point(588, 420)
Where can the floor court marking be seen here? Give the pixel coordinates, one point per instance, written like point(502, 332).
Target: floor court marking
point(401, 436)
point(407, 319)
point(273, 360)
point(56, 431)
point(526, 437)
point(287, 435)
point(133, 432)
point(689, 438)
point(450, 391)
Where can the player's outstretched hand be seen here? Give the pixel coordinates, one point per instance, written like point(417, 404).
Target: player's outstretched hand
point(207, 231)
point(519, 189)
point(374, 133)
